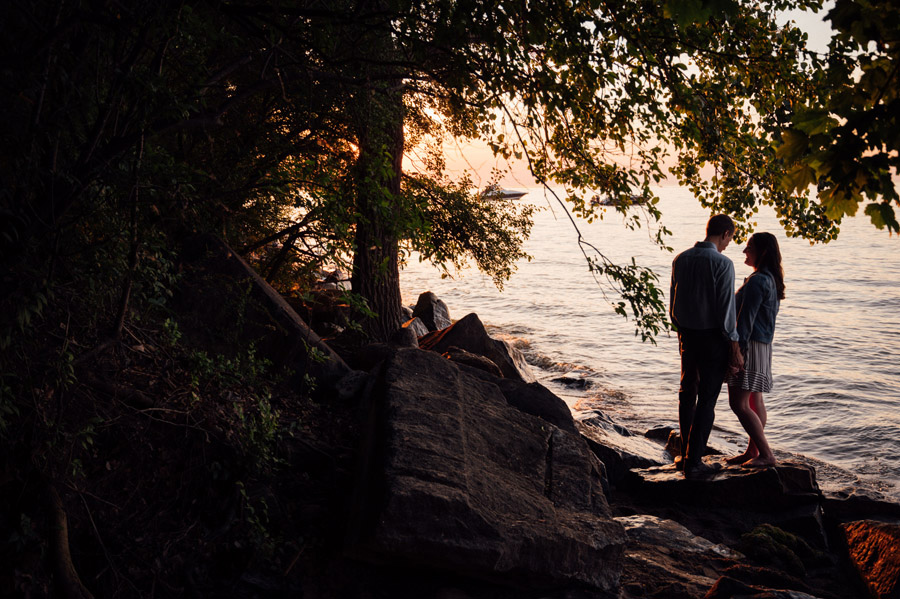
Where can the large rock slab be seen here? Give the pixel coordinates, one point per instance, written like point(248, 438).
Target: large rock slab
point(785, 486)
point(618, 448)
point(874, 549)
point(469, 334)
point(459, 480)
point(739, 498)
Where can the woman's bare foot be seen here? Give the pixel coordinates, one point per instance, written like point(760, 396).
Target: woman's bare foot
point(759, 462)
point(740, 459)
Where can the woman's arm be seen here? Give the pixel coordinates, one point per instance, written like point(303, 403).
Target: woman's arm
point(752, 294)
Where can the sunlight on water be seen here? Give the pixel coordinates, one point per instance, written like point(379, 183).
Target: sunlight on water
point(837, 378)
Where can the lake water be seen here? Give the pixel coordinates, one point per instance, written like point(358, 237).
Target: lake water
point(837, 378)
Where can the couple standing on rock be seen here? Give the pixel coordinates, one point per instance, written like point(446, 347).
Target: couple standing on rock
point(724, 337)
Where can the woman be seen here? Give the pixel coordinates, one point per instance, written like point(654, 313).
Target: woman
point(757, 303)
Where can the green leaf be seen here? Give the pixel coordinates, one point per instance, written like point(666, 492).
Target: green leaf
point(882, 215)
point(814, 122)
point(798, 178)
point(793, 144)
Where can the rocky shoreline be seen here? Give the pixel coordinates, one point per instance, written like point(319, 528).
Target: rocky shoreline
point(476, 469)
point(462, 477)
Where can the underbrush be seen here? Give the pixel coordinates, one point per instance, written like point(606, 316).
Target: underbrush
point(179, 469)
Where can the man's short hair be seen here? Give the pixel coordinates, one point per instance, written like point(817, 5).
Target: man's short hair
point(719, 225)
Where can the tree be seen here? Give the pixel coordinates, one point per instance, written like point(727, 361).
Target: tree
point(845, 140)
point(590, 94)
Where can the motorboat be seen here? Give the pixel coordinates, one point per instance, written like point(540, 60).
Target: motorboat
point(495, 192)
point(632, 200)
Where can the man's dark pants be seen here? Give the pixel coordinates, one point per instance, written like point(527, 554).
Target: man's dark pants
point(704, 359)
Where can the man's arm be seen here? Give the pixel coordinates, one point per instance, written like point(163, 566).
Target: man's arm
point(727, 318)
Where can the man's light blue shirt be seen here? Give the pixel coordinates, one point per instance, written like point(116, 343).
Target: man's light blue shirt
point(701, 296)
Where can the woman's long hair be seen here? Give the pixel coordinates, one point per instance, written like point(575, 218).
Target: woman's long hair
point(768, 256)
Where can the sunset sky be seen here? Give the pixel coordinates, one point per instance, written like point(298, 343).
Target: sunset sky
point(476, 159)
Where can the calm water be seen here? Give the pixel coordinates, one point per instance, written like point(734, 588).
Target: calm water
point(837, 379)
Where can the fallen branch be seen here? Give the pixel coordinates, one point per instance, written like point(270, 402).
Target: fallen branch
point(70, 584)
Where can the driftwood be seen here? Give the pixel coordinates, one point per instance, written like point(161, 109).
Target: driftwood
point(289, 340)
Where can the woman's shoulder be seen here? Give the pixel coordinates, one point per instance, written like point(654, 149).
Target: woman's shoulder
point(762, 279)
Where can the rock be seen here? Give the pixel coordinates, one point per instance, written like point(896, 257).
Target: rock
point(768, 579)
point(777, 548)
point(351, 384)
point(673, 445)
point(616, 446)
point(406, 314)
point(857, 503)
point(416, 325)
point(368, 357)
point(460, 481)
point(874, 549)
point(469, 334)
point(782, 487)
point(574, 382)
point(730, 588)
point(661, 433)
point(537, 400)
point(736, 499)
point(461, 356)
point(662, 554)
point(433, 312)
point(405, 337)
point(531, 398)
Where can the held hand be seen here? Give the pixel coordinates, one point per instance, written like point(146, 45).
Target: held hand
point(736, 361)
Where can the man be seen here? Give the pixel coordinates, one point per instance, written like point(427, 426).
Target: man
point(701, 305)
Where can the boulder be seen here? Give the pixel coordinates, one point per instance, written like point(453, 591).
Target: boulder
point(469, 334)
point(660, 432)
point(433, 312)
point(458, 480)
point(663, 555)
point(416, 325)
point(859, 503)
point(616, 446)
point(531, 398)
point(404, 337)
point(776, 548)
point(874, 549)
point(537, 400)
point(406, 313)
point(461, 356)
point(579, 383)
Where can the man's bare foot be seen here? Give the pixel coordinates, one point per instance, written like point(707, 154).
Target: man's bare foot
point(759, 462)
point(740, 459)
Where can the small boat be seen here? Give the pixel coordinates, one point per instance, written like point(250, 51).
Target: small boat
point(633, 200)
point(495, 192)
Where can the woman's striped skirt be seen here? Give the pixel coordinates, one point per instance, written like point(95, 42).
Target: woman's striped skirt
point(757, 372)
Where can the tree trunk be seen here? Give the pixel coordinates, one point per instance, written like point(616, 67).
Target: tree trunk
point(376, 271)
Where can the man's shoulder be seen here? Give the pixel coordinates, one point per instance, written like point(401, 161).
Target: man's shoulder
point(704, 252)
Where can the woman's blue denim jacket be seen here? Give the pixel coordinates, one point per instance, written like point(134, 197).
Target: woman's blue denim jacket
point(757, 305)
